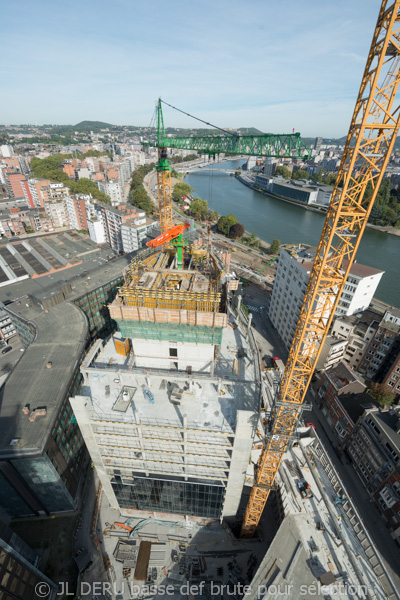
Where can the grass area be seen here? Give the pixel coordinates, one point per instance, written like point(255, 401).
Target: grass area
point(52, 539)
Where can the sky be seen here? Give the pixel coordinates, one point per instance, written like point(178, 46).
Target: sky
point(249, 63)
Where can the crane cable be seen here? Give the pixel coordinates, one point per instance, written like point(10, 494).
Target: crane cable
point(197, 119)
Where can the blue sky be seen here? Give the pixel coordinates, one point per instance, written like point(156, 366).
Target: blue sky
point(249, 63)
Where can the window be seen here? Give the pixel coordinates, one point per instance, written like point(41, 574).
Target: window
point(173, 352)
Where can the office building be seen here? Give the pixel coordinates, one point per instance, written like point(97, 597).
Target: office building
point(170, 404)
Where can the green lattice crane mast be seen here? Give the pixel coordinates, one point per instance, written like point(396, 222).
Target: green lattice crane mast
point(275, 146)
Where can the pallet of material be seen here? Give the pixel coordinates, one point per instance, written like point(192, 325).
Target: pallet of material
point(142, 561)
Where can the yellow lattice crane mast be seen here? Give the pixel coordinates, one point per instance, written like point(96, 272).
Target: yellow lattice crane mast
point(163, 171)
point(372, 134)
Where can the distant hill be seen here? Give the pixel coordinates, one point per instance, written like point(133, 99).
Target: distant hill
point(91, 125)
point(250, 131)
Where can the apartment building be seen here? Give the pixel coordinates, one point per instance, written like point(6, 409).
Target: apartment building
point(340, 395)
point(332, 353)
point(14, 183)
point(76, 210)
point(170, 403)
point(96, 229)
point(358, 331)
point(134, 232)
point(113, 190)
point(381, 351)
point(374, 449)
point(291, 280)
point(36, 192)
point(112, 219)
point(57, 213)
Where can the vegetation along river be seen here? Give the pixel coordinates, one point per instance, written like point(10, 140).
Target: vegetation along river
point(271, 218)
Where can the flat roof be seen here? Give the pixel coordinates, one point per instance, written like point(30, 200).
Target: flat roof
point(175, 392)
point(61, 338)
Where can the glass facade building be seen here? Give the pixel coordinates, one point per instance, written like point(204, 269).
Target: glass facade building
point(167, 495)
point(93, 304)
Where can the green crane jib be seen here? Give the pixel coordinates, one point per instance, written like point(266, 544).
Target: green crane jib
point(288, 145)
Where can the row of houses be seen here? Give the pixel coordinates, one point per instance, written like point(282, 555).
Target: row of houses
point(369, 434)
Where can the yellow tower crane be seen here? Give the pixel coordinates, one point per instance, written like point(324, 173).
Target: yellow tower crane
point(372, 134)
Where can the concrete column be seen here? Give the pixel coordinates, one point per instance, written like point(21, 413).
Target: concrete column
point(249, 324)
point(219, 386)
point(212, 368)
point(239, 302)
point(184, 446)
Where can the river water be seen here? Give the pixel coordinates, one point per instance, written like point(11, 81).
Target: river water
point(271, 218)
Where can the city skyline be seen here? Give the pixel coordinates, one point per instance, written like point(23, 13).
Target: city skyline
point(257, 67)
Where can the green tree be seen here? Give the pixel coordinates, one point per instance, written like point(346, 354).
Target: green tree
point(180, 190)
point(379, 393)
point(199, 208)
point(330, 178)
point(283, 172)
point(317, 177)
point(214, 216)
point(140, 199)
point(300, 174)
point(223, 225)
point(275, 246)
point(236, 231)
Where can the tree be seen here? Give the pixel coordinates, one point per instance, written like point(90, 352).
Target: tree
point(199, 208)
point(214, 215)
point(379, 393)
point(222, 225)
point(140, 199)
point(180, 190)
point(275, 246)
point(317, 177)
point(236, 231)
point(283, 172)
point(225, 223)
point(300, 174)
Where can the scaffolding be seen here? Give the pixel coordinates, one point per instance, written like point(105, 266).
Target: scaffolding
point(158, 300)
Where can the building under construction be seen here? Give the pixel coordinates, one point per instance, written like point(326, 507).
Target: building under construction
point(170, 404)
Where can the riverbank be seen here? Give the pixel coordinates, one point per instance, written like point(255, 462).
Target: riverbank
point(321, 209)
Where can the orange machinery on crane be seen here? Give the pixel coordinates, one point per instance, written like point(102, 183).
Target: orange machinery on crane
point(370, 141)
point(168, 235)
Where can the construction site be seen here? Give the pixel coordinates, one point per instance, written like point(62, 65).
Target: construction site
point(210, 476)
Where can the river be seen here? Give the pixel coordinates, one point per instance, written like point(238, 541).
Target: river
point(271, 218)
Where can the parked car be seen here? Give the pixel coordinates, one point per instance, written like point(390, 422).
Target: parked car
point(5, 350)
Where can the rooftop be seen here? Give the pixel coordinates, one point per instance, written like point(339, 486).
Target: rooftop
point(356, 404)
point(40, 379)
point(341, 375)
point(176, 393)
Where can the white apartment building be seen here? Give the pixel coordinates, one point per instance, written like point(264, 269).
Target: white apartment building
point(113, 219)
point(96, 230)
point(134, 233)
point(58, 191)
point(113, 190)
point(291, 280)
